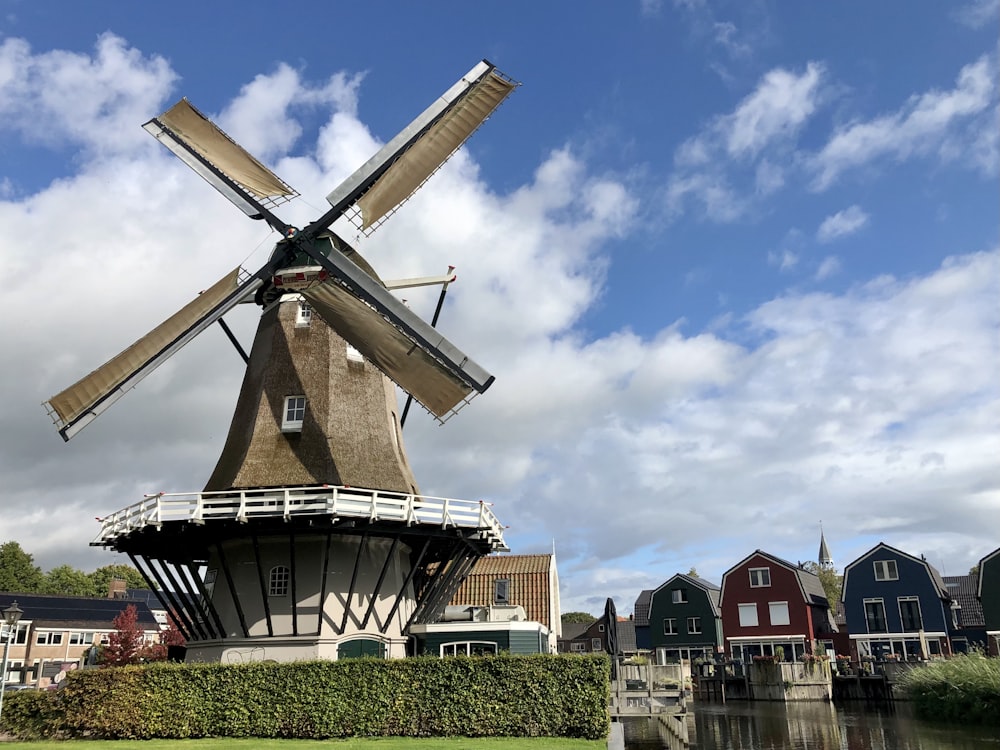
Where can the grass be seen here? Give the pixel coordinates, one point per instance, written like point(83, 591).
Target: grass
point(962, 689)
point(362, 743)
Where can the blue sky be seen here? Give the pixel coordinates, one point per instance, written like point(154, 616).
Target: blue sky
point(735, 265)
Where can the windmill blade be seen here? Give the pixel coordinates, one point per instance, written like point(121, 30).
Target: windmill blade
point(221, 161)
point(81, 403)
point(405, 163)
point(393, 338)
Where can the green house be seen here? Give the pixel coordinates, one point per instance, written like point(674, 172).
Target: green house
point(989, 597)
point(685, 621)
point(476, 631)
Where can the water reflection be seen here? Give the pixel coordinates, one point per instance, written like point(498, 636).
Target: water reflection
point(808, 726)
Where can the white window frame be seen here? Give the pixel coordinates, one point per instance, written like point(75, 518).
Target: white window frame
point(464, 648)
point(293, 413)
point(303, 316)
point(48, 638)
point(744, 610)
point(678, 596)
point(353, 355)
point(279, 579)
point(600, 628)
point(886, 570)
point(578, 647)
point(920, 613)
point(596, 645)
point(885, 616)
point(694, 626)
point(782, 608)
point(78, 638)
point(670, 626)
point(762, 579)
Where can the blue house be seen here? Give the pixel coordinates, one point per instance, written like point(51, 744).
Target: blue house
point(897, 606)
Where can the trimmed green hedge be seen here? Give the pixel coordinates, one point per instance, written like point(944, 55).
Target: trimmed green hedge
point(555, 696)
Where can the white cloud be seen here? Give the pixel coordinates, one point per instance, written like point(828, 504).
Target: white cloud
point(922, 126)
point(977, 13)
point(842, 223)
point(828, 267)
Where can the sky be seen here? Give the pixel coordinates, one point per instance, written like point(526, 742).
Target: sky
point(734, 265)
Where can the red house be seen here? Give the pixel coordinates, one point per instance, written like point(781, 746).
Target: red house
point(768, 602)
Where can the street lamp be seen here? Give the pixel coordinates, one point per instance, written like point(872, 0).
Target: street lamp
point(10, 617)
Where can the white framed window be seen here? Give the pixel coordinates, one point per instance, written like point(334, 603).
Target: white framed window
point(48, 639)
point(909, 614)
point(778, 612)
point(501, 591)
point(885, 570)
point(81, 639)
point(468, 648)
point(760, 577)
point(303, 317)
point(875, 616)
point(279, 579)
point(600, 628)
point(670, 626)
point(353, 355)
point(679, 596)
point(294, 413)
point(14, 668)
point(578, 647)
point(748, 615)
point(595, 645)
point(21, 634)
point(694, 626)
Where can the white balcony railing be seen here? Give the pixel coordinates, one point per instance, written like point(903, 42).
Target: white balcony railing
point(329, 501)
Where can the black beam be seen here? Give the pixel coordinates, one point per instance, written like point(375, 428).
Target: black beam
point(354, 580)
point(402, 591)
point(232, 338)
point(204, 633)
point(232, 589)
point(182, 613)
point(378, 584)
point(162, 594)
point(263, 584)
point(291, 570)
point(323, 585)
point(193, 572)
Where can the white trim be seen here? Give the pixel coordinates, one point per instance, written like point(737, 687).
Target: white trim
point(775, 638)
point(893, 636)
point(467, 627)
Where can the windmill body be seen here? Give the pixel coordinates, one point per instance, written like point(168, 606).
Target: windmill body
point(310, 538)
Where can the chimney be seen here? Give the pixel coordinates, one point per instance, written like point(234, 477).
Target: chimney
point(117, 589)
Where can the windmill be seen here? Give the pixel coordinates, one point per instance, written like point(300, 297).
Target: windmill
point(310, 538)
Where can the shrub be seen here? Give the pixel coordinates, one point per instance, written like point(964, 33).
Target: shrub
point(31, 714)
point(964, 688)
point(503, 695)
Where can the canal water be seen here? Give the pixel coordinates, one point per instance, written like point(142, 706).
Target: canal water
point(808, 726)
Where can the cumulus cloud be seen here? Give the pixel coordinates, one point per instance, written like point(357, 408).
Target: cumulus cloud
point(924, 125)
point(878, 401)
point(842, 223)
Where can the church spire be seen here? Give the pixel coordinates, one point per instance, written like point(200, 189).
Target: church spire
point(825, 559)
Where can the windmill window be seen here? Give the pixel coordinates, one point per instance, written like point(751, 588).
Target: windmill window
point(760, 577)
point(303, 318)
point(294, 413)
point(279, 581)
point(353, 355)
point(885, 570)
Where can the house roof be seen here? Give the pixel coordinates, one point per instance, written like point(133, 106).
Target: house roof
point(530, 585)
point(931, 570)
point(982, 565)
point(626, 636)
point(51, 610)
point(640, 613)
point(713, 591)
point(573, 630)
point(963, 591)
point(809, 583)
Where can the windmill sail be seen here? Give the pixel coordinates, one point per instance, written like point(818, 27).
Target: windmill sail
point(220, 160)
point(405, 163)
point(83, 401)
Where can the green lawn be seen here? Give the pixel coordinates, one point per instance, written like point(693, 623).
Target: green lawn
point(374, 743)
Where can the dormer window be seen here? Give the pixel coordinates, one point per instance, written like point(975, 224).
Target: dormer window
point(303, 318)
point(760, 577)
point(885, 570)
point(294, 413)
point(501, 591)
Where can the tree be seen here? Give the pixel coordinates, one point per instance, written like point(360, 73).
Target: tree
point(18, 572)
point(832, 581)
point(102, 577)
point(974, 570)
point(125, 643)
point(68, 581)
point(694, 573)
point(583, 617)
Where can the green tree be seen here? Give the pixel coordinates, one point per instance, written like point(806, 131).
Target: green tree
point(18, 572)
point(694, 573)
point(974, 570)
point(832, 581)
point(584, 617)
point(68, 581)
point(101, 578)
